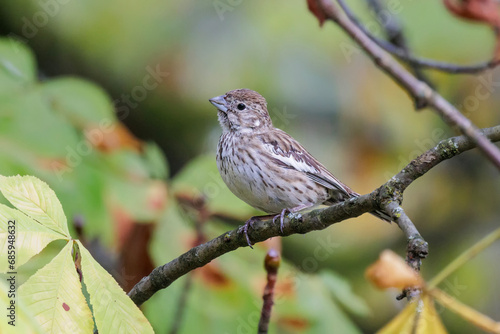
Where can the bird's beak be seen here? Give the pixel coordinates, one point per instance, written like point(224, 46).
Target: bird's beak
point(219, 102)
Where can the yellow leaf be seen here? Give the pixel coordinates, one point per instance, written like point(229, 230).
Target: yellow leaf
point(474, 317)
point(19, 319)
point(54, 295)
point(35, 198)
point(114, 311)
point(22, 235)
point(418, 317)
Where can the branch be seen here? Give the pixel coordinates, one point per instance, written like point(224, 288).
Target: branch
point(401, 53)
point(181, 305)
point(444, 150)
point(394, 33)
point(162, 276)
point(414, 87)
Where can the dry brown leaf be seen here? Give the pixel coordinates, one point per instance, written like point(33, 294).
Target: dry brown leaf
point(135, 261)
point(213, 276)
point(317, 11)
point(483, 11)
point(114, 137)
point(295, 324)
point(391, 271)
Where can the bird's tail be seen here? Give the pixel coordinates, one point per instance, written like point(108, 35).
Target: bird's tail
point(382, 215)
point(377, 213)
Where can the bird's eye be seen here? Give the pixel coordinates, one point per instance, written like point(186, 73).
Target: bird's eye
point(241, 106)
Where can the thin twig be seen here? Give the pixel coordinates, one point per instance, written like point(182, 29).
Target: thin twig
point(202, 215)
point(417, 247)
point(162, 276)
point(464, 258)
point(445, 149)
point(402, 54)
point(413, 86)
point(395, 36)
point(181, 305)
point(271, 263)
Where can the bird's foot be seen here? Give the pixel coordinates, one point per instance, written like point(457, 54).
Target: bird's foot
point(281, 216)
point(287, 211)
point(249, 223)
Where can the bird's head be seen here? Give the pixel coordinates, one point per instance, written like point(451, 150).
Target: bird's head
point(242, 110)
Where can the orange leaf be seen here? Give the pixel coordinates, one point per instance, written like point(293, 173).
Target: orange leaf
point(113, 137)
point(213, 276)
point(295, 323)
point(485, 11)
point(317, 11)
point(390, 271)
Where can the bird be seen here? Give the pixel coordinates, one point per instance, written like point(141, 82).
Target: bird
point(266, 167)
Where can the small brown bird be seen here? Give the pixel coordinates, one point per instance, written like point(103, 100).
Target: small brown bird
point(266, 167)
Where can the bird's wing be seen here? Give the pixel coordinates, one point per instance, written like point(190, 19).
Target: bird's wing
point(288, 153)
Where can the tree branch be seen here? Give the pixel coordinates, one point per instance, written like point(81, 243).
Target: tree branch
point(444, 150)
point(400, 52)
point(414, 87)
point(392, 191)
point(394, 33)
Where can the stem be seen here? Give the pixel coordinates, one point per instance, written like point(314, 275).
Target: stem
point(464, 258)
point(468, 313)
point(271, 263)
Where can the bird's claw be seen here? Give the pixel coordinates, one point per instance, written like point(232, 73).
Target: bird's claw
point(281, 216)
point(248, 224)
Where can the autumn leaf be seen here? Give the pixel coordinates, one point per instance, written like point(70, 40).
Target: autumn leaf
point(390, 271)
point(418, 317)
point(483, 11)
point(114, 137)
point(317, 11)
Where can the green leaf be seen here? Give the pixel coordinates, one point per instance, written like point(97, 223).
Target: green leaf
point(80, 101)
point(17, 66)
point(24, 320)
point(22, 116)
point(342, 292)
point(155, 160)
point(114, 311)
point(34, 197)
point(54, 295)
point(30, 237)
point(144, 201)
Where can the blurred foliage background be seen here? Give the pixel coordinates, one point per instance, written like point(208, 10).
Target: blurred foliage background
point(138, 76)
